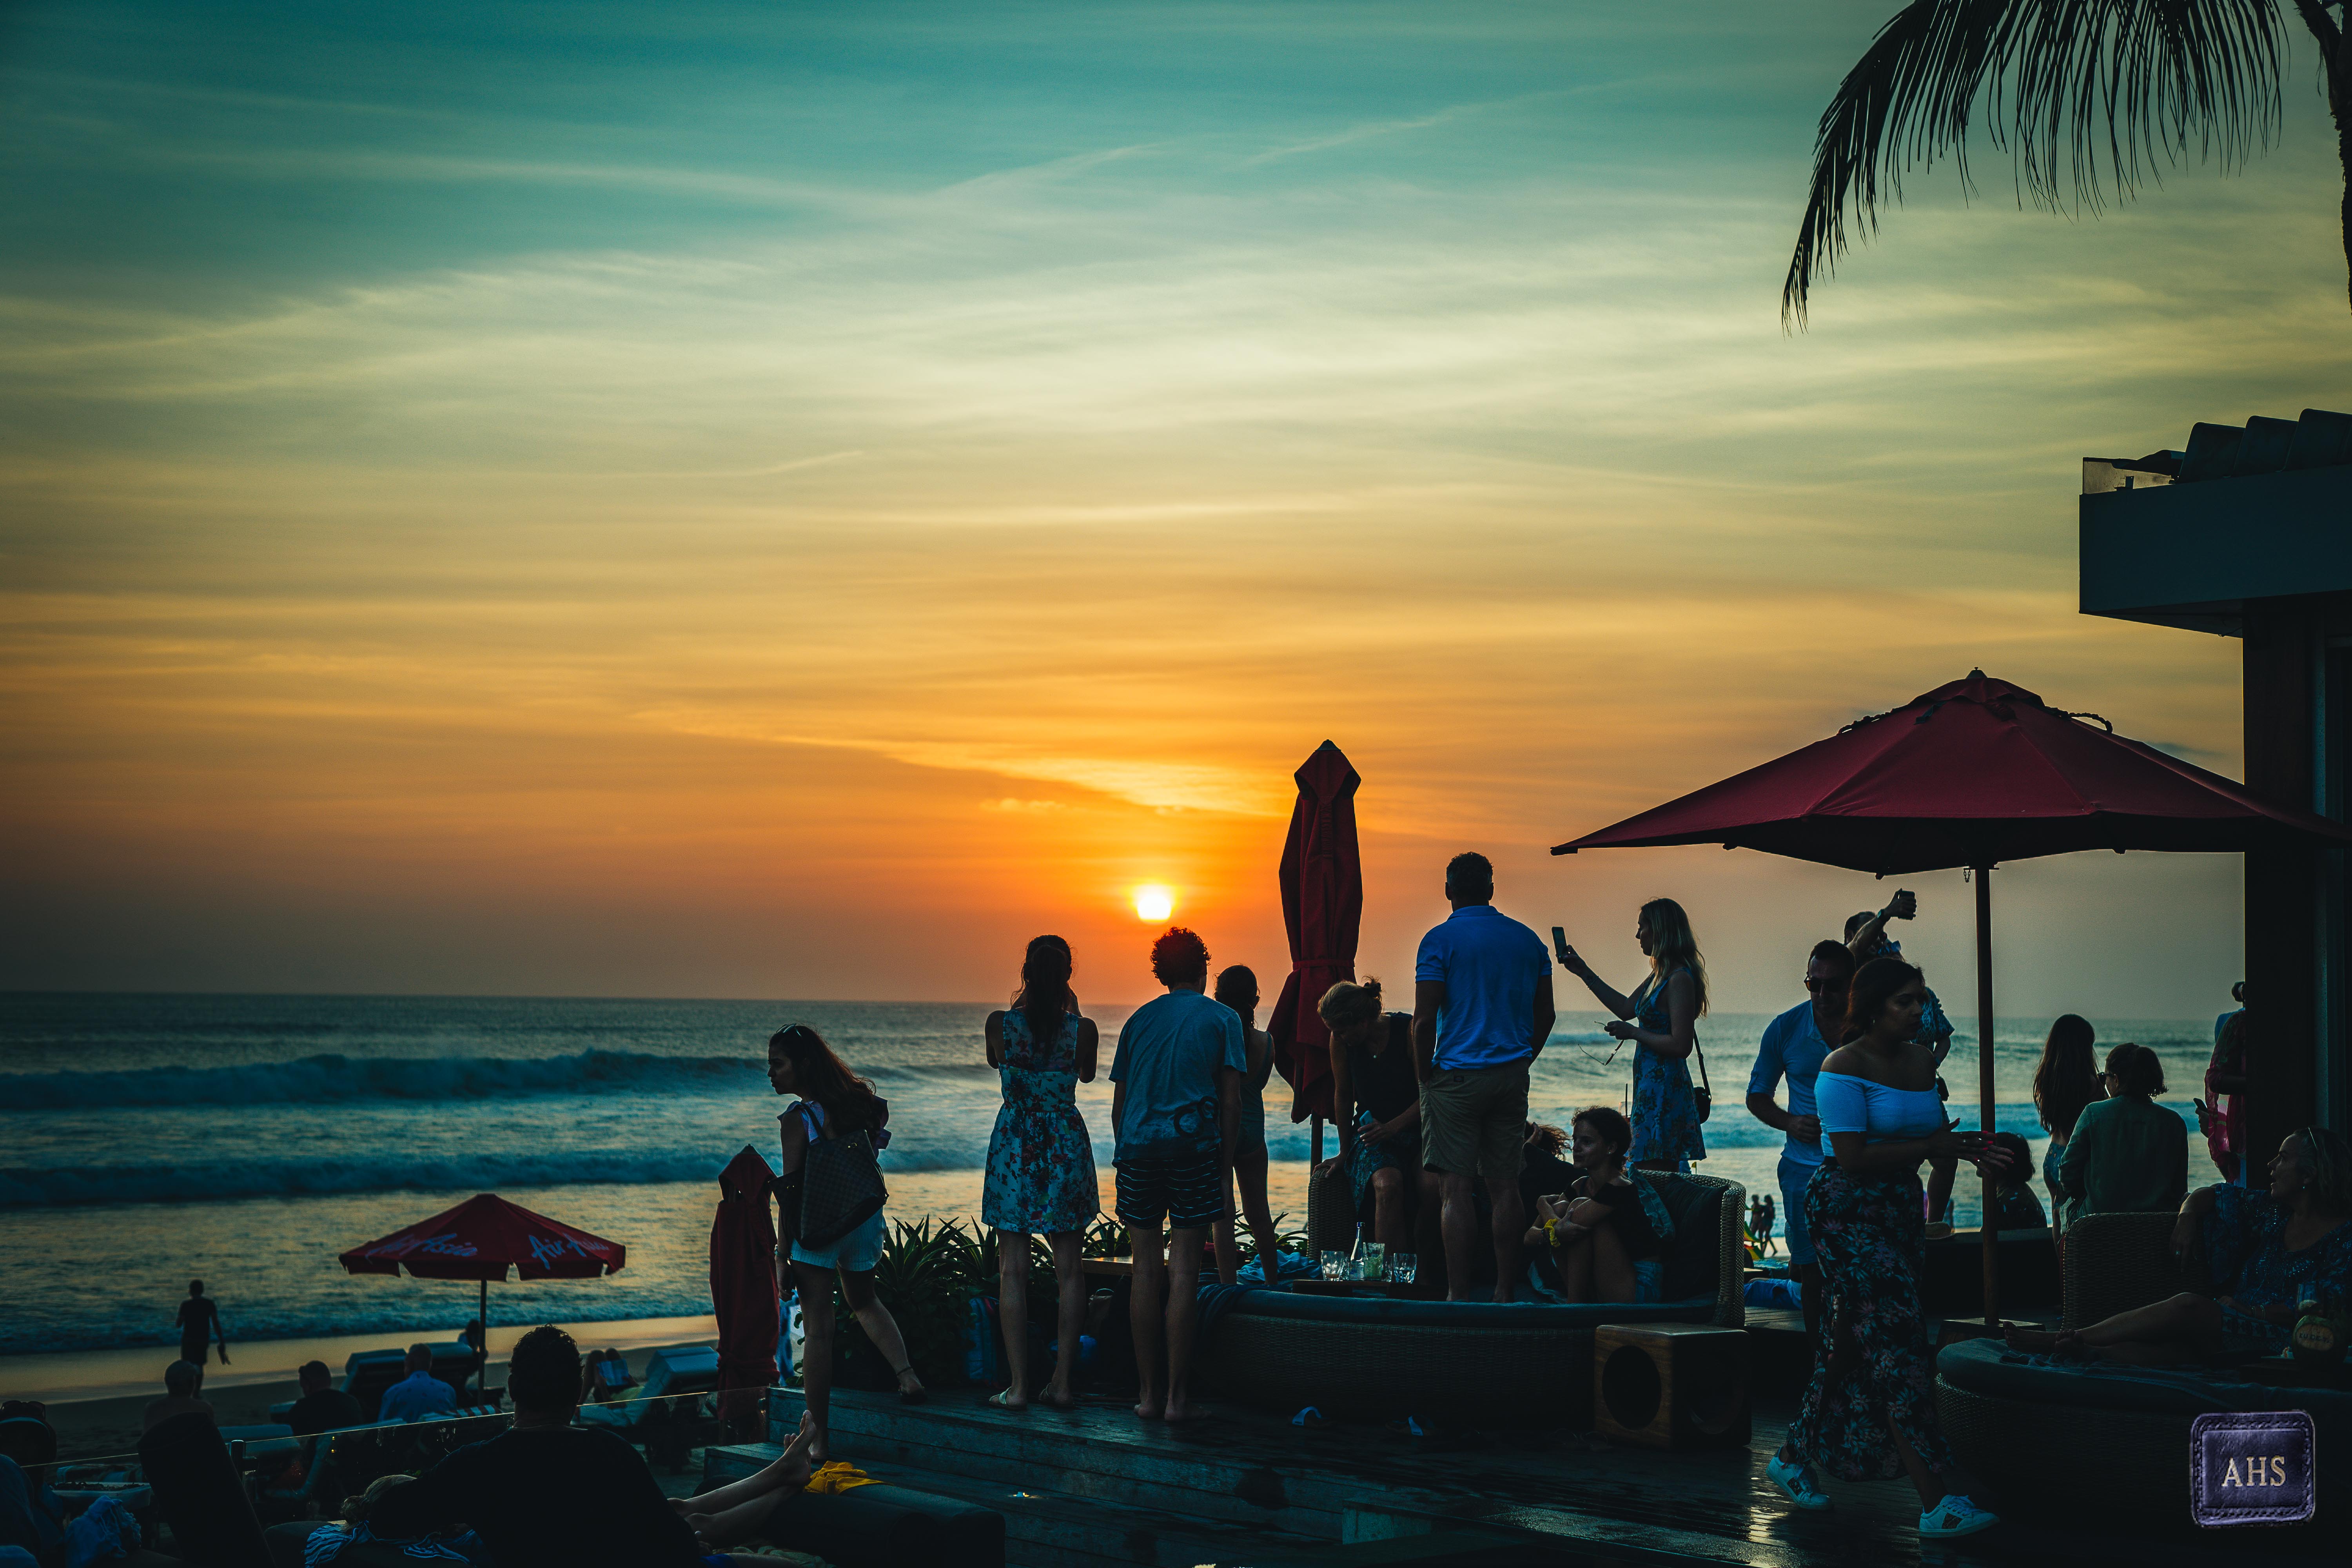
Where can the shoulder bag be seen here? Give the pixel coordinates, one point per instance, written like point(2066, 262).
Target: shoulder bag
point(841, 1187)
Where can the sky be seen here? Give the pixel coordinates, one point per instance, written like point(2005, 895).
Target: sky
point(789, 500)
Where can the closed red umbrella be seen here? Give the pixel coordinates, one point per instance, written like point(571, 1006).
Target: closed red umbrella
point(743, 1285)
point(480, 1239)
point(1972, 774)
point(1322, 905)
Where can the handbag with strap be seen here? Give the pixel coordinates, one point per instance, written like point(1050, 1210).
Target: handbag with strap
point(1703, 1094)
point(841, 1187)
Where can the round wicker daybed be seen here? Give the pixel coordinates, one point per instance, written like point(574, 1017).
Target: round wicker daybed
point(2100, 1445)
point(1523, 1364)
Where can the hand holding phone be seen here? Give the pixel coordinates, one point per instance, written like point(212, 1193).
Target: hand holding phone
point(1560, 950)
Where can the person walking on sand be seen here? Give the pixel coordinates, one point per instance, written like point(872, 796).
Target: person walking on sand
point(1869, 1412)
point(1795, 1044)
point(199, 1322)
point(1482, 1009)
point(1176, 1084)
point(1237, 989)
point(830, 1103)
point(1665, 1009)
point(1041, 1161)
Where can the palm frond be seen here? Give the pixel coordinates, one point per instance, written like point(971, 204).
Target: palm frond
point(2068, 86)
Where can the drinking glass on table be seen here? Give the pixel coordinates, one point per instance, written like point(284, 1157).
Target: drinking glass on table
point(1335, 1265)
point(1375, 1256)
point(1403, 1267)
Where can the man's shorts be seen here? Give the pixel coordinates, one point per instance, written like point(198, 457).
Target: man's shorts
point(1185, 1190)
point(1795, 1175)
point(1474, 1121)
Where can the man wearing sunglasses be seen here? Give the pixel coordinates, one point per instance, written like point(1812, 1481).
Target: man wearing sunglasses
point(1795, 1044)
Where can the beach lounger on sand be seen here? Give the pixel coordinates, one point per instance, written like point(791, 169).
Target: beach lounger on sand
point(669, 1413)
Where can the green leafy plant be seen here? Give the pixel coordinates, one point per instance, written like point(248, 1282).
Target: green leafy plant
point(927, 1273)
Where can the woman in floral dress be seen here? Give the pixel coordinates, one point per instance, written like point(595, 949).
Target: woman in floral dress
point(1869, 1413)
point(1041, 1160)
point(1665, 1009)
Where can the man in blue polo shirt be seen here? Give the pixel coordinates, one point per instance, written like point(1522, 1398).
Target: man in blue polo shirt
point(1482, 1009)
point(1794, 1045)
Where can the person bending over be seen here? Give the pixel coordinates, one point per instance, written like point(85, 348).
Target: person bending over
point(2264, 1250)
point(1376, 1106)
point(1602, 1242)
point(548, 1492)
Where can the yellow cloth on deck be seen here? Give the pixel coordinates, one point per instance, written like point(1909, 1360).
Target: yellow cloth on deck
point(836, 1477)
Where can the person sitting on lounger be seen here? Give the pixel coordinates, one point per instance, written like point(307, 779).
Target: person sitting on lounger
point(181, 1379)
point(1599, 1237)
point(2264, 1251)
point(420, 1394)
point(737, 1511)
point(548, 1491)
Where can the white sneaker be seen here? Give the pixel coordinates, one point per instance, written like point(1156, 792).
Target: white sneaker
point(1955, 1516)
point(1796, 1484)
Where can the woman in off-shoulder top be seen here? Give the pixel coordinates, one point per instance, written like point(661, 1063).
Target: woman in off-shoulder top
point(1869, 1413)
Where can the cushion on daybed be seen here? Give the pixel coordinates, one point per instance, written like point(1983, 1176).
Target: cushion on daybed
point(884, 1526)
point(1987, 1367)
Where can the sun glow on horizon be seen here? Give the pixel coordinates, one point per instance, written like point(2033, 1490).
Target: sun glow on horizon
point(1153, 903)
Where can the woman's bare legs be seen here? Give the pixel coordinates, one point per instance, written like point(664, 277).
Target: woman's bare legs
point(1391, 1227)
point(1575, 1264)
point(1013, 1313)
point(1612, 1271)
point(2172, 1328)
point(787, 1473)
point(1249, 1175)
point(816, 1363)
point(1071, 1284)
point(881, 1327)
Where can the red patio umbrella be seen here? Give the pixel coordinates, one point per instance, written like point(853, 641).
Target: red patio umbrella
point(480, 1239)
point(743, 1281)
point(1322, 905)
point(1972, 774)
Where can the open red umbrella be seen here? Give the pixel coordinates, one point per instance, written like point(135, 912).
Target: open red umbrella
point(480, 1239)
point(1322, 905)
point(1972, 774)
point(743, 1283)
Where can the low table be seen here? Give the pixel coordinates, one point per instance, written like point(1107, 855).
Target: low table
point(2285, 1372)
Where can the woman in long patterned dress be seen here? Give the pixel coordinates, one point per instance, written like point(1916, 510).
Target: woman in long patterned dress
point(1040, 1161)
point(1665, 1010)
point(1869, 1413)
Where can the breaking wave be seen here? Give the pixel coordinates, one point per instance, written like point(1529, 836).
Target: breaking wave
point(335, 1079)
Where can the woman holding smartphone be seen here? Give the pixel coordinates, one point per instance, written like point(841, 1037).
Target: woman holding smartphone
point(1665, 1009)
point(1869, 1413)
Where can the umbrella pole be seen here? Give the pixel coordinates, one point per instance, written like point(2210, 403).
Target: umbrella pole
point(1314, 1124)
point(482, 1351)
point(1991, 1226)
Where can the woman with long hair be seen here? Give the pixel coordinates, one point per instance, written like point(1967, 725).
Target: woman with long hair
point(831, 1103)
point(1041, 1161)
point(2067, 1080)
point(1869, 1413)
point(1598, 1241)
point(1665, 1009)
point(2263, 1251)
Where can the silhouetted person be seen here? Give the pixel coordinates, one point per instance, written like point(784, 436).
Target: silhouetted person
point(200, 1323)
point(420, 1394)
point(323, 1407)
point(546, 1492)
point(181, 1381)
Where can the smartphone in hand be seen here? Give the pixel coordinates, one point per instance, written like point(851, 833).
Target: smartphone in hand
point(1559, 946)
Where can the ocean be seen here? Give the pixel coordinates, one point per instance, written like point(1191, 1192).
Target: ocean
point(147, 1140)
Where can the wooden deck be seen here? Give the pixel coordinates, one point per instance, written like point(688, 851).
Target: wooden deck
point(1097, 1485)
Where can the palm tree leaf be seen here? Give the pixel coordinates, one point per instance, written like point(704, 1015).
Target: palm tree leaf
point(2068, 86)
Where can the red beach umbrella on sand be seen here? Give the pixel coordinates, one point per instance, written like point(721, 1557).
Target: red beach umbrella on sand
point(480, 1239)
point(1972, 774)
point(1322, 905)
point(743, 1284)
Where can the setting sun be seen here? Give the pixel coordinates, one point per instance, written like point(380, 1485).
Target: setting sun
point(1154, 903)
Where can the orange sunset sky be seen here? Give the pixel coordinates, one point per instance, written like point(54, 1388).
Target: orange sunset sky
point(779, 502)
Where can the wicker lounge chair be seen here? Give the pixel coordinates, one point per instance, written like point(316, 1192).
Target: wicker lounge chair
point(1473, 1363)
point(2114, 1262)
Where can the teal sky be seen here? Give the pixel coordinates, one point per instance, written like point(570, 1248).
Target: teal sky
point(563, 498)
